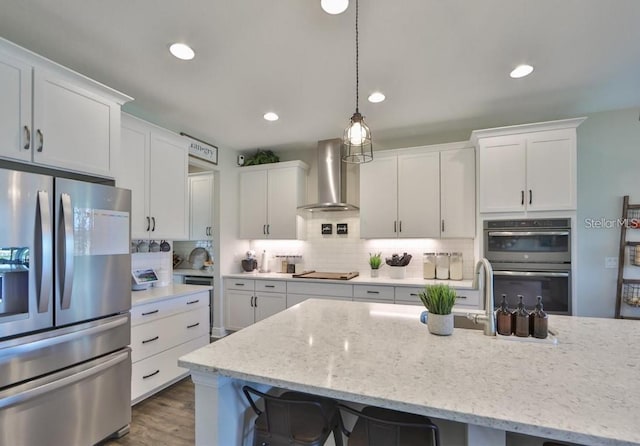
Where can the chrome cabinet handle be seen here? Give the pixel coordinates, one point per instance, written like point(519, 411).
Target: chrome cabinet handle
point(193, 325)
point(40, 139)
point(146, 341)
point(148, 224)
point(27, 138)
point(153, 219)
point(65, 238)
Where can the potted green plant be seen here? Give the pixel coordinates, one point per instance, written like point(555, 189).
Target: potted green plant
point(439, 300)
point(375, 261)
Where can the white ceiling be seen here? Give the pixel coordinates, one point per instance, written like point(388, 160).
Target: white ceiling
point(443, 64)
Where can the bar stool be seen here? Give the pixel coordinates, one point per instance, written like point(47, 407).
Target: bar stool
point(294, 418)
point(384, 427)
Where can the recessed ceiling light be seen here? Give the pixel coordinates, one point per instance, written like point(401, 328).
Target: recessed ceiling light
point(334, 6)
point(182, 51)
point(376, 97)
point(521, 71)
point(271, 116)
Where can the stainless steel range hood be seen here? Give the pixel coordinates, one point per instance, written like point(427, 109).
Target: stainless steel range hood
point(332, 179)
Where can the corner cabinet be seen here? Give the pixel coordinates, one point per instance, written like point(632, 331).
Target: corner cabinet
point(154, 164)
point(531, 167)
point(425, 192)
point(55, 117)
point(269, 197)
point(200, 206)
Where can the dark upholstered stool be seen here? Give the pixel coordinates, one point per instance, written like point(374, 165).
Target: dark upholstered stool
point(384, 427)
point(294, 418)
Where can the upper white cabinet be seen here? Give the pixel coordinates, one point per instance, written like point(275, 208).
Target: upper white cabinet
point(200, 206)
point(269, 197)
point(154, 165)
point(426, 192)
point(55, 117)
point(528, 168)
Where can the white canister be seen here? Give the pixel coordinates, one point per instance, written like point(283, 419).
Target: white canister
point(455, 266)
point(442, 265)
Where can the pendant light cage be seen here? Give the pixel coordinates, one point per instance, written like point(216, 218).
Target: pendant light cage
point(356, 139)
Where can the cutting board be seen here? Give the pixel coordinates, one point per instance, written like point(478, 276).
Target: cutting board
point(323, 275)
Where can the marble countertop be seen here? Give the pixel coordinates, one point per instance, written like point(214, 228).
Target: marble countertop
point(585, 389)
point(360, 280)
point(193, 272)
point(155, 294)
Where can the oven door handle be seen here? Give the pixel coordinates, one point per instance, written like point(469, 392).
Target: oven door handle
point(525, 233)
point(530, 273)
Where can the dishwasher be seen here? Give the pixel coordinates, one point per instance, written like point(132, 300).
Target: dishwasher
point(208, 281)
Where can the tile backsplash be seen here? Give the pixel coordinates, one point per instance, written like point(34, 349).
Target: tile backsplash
point(347, 252)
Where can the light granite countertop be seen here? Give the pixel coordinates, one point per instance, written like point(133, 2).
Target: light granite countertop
point(584, 390)
point(359, 280)
point(155, 294)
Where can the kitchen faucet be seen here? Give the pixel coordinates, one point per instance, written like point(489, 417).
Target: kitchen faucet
point(485, 285)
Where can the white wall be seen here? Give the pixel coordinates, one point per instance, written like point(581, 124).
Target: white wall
point(608, 169)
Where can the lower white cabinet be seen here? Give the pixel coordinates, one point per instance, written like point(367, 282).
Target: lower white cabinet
point(464, 297)
point(161, 332)
point(250, 301)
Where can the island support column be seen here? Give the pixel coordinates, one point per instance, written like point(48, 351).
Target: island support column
point(485, 436)
point(220, 409)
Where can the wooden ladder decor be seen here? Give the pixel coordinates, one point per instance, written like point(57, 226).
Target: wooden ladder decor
point(628, 292)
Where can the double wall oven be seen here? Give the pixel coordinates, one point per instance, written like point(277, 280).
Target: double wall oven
point(531, 258)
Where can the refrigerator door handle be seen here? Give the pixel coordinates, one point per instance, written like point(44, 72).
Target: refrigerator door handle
point(68, 380)
point(66, 255)
point(42, 250)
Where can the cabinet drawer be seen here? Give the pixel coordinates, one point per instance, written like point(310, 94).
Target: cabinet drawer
point(320, 289)
point(159, 335)
point(141, 314)
point(373, 292)
point(408, 295)
point(275, 286)
point(468, 298)
point(155, 372)
point(239, 284)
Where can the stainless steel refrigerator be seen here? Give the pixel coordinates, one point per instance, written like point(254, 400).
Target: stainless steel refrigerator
point(65, 296)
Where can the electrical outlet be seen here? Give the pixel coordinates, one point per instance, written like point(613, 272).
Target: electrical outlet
point(610, 262)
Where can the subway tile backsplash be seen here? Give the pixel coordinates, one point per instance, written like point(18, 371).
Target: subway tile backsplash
point(342, 253)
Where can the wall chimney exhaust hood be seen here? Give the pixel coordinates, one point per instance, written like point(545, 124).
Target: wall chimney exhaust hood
point(332, 179)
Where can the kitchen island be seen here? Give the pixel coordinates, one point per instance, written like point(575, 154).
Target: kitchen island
point(584, 389)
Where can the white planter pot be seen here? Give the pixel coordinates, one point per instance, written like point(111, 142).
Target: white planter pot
point(440, 324)
point(397, 272)
point(374, 272)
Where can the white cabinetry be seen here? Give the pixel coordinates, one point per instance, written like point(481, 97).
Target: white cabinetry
point(418, 193)
point(269, 198)
point(154, 165)
point(161, 332)
point(465, 298)
point(55, 117)
point(250, 301)
point(528, 168)
point(299, 291)
point(200, 206)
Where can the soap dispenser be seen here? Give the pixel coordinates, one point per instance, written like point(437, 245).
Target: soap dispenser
point(504, 318)
point(540, 321)
point(522, 319)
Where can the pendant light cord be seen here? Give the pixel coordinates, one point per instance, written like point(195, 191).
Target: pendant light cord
point(357, 62)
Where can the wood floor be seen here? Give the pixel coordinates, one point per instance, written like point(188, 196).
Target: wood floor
point(165, 419)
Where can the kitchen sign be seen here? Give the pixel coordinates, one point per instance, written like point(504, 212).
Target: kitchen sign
point(202, 150)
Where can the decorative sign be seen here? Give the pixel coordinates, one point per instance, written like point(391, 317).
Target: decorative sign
point(202, 150)
point(327, 228)
point(342, 228)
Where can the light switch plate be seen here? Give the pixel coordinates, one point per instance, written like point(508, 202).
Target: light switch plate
point(610, 262)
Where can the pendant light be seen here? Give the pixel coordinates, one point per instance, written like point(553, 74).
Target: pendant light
point(357, 136)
